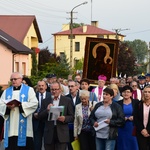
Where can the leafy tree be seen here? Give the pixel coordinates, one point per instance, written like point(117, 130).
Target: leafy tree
point(126, 60)
point(45, 56)
point(76, 25)
point(139, 48)
point(141, 68)
point(51, 64)
point(79, 65)
point(34, 63)
point(64, 66)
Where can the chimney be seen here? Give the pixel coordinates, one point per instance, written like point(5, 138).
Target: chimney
point(84, 28)
point(94, 23)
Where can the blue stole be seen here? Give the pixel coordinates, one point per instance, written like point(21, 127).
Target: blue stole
point(22, 120)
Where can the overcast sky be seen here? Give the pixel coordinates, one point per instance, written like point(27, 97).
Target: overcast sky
point(111, 14)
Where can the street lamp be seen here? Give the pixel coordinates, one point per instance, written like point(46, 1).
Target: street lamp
point(71, 35)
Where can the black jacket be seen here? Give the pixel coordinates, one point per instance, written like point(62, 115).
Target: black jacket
point(77, 100)
point(61, 127)
point(133, 101)
point(138, 118)
point(139, 86)
point(117, 120)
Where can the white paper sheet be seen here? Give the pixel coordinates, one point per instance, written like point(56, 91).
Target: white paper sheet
point(101, 125)
point(55, 112)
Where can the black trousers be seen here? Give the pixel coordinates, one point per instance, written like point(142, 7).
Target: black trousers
point(12, 144)
point(1, 127)
point(87, 141)
point(143, 142)
point(38, 136)
point(71, 139)
point(55, 145)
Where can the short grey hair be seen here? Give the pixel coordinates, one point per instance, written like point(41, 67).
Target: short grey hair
point(20, 75)
point(84, 93)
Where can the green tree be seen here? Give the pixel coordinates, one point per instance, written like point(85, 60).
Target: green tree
point(47, 63)
point(45, 56)
point(52, 64)
point(141, 68)
point(139, 48)
point(126, 60)
point(64, 66)
point(79, 65)
point(58, 66)
point(34, 69)
point(76, 25)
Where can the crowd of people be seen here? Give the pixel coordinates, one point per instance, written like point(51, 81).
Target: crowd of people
point(112, 115)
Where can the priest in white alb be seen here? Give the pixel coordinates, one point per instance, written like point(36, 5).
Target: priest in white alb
point(18, 131)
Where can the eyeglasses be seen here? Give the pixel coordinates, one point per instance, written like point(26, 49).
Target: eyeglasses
point(14, 79)
point(134, 85)
point(54, 89)
point(71, 86)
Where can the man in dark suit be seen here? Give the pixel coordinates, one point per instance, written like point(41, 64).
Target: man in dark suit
point(73, 92)
point(141, 82)
point(38, 126)
point(50, 79)
point(56, 132)
point(147, 78)
point(74, 96)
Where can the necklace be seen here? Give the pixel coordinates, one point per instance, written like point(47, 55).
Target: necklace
point(147, 104)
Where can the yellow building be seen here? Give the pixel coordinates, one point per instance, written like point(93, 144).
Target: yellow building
point(63, 43)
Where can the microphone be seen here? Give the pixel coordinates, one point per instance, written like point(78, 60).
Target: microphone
point(52, 97)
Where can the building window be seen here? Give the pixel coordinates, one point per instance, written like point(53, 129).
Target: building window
point(100, 36)
point(77, 46)
point(62, 54)
point(16, 66)
point(24, 68)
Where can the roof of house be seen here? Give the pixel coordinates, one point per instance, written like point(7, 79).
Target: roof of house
point(13, 44)
point(91, 30)
point(17, 26)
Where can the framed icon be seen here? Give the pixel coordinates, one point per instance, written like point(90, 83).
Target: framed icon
point(100, 57)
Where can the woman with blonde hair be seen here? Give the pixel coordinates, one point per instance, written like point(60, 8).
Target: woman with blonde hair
point(115, 88)
point(142, 120)
point(82, 127)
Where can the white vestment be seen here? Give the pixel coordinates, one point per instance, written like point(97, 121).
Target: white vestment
point(99, 97)
point(28, 107)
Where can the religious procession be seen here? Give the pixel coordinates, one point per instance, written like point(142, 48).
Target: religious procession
point(73, 114)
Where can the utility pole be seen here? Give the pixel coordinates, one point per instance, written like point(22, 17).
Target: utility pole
point(91, 10)
point(71, 34)
point(119, 30)
point(148, 59)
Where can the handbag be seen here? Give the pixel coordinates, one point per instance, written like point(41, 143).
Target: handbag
point(75, 145)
